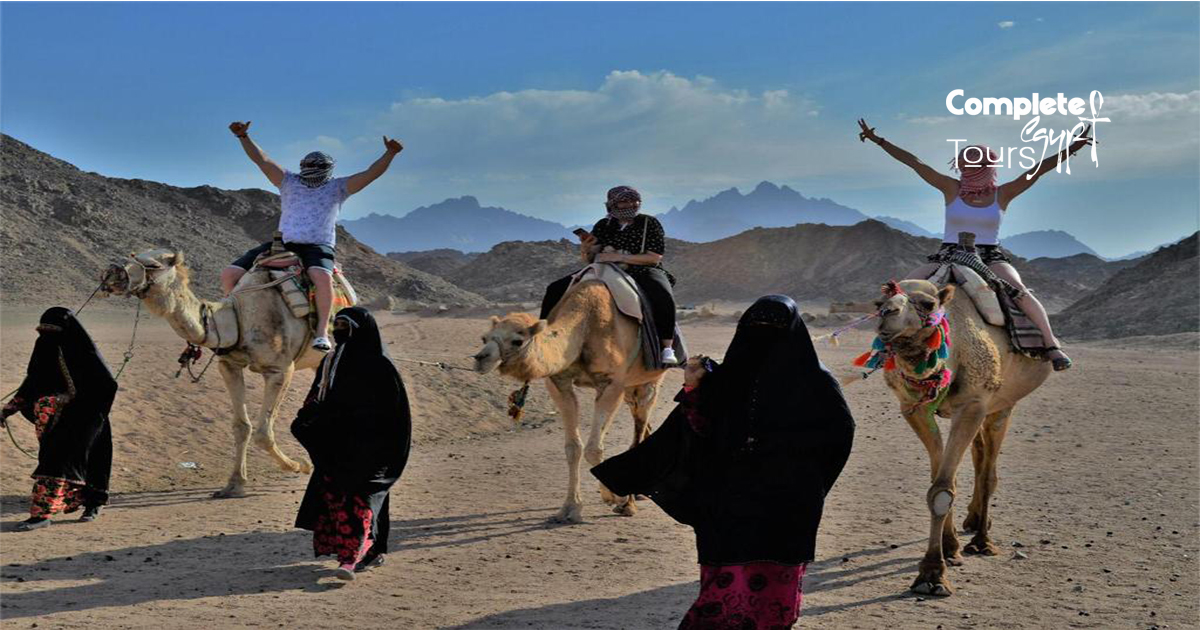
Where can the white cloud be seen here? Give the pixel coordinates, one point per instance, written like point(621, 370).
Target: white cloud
point(1006, 24)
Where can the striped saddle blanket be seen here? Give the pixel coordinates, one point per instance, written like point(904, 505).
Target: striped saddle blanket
point(1024, 335)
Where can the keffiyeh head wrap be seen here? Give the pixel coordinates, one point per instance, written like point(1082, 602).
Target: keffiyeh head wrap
point(623, 203)
point(977, 166)
point(316, 168)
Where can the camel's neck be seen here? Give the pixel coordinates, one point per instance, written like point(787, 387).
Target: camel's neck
point(553, 350)
point(181, 308)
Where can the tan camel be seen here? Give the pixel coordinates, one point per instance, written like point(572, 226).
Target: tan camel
point(273, 343)
point(585, 342)
point(989, 378)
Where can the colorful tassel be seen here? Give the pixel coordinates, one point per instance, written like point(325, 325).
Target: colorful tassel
point(861, 361)
point(890, 364)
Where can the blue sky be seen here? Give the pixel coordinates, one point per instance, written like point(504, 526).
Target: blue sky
point(540, 107)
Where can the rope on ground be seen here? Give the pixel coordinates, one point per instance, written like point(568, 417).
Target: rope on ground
point(438, 364)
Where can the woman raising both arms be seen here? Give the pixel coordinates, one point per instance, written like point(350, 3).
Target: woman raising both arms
point(974, 203)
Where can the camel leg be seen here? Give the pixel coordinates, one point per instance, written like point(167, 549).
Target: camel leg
point(274, 385)
point(993, 431)
point(562, 392)
point(641, 401)
point(931, 438)
point(235, 384)
point(971, 522)
point(932, 577)
point(608, 398)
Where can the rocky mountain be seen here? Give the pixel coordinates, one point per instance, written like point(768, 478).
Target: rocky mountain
point(62, 226)
point(730, 212)
point(805, 261)
point(907, 226)
point(454, 223)
point(439, 262)
point(1045, 244)
point(1159, 295)
point(1081, 273)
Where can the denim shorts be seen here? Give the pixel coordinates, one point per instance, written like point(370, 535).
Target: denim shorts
point(310, 255)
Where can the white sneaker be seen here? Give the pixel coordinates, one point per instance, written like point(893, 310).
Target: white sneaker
point(668, 356)
point(322, 344)
point(345, 572)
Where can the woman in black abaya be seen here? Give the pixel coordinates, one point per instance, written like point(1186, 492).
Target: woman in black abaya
point(356, 426)
point(747, 459)
point(67, 394)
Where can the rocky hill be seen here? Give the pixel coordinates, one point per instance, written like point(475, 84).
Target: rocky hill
point(1159, 295)
point(459, 223)
point(62, 226)
point(1080, 274)
point(1045, 244)
point(439, 262)
point(805, 261)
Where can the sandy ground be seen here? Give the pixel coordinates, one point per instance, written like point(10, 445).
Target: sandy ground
point(1099, 488)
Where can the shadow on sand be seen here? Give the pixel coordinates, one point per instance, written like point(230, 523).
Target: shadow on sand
point(664, 607)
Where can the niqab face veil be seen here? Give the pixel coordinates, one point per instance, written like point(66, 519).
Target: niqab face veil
point(66, 360)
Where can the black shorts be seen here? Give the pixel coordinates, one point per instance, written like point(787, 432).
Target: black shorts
point(310, 255)
point(989, 254)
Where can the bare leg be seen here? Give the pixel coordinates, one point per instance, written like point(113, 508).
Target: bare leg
point(562, 392)
point(235, 384)
point(323, 282)
point(229, 278)
point(1032, 307)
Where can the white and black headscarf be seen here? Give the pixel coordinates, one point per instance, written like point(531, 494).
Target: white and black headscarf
point(316, 168)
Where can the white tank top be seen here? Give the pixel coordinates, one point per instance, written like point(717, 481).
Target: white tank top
point(983, 222)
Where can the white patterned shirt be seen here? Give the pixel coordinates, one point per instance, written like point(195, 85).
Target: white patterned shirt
point(309, 215)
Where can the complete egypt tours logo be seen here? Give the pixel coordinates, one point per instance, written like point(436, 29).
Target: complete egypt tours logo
point(1032, 132)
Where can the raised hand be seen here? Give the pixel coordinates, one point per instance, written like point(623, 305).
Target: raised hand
point(867, 133)
point(392, 145)
point(1083, 140)
point(239, 128)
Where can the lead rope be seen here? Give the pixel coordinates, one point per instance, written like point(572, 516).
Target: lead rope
point(8, 428)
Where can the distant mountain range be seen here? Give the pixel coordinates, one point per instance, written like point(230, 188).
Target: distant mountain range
point(460, 224)
point(463, 224)
point(729, 212)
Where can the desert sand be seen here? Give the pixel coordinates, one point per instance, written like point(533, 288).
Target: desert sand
point(1099, 489)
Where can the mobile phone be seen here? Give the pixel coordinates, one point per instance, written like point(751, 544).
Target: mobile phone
point(581, 233)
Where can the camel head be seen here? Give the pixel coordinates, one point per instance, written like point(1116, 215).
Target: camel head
point(905, 307)
point(143, 273)
point(506, 339)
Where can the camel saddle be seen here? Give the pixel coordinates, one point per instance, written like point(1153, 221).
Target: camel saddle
point(630, 301)
point(288, 277)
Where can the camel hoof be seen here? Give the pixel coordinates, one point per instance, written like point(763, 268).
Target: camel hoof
point(628, 508)
point(303, 468)
point(981, 548)
point(571, 515)
point(229, 493)
point(934, 585)
point(954, 560)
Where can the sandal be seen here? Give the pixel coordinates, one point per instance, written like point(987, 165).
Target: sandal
point(1060, 362)
point(90, 514)
point(370, 562)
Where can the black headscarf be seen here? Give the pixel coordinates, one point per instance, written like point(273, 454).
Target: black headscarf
point(77, 446)
point(753, 486)
point(356, 423)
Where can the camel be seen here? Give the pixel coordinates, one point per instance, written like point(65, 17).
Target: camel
point(585, 342)
point(989, 378)
point(273, 343)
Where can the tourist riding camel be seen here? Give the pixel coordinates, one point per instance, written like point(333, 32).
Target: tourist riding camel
point(310, 202)
point(975, 204)
point(637, 243)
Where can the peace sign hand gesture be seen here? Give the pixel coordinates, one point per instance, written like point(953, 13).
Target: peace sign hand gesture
point(867, 133)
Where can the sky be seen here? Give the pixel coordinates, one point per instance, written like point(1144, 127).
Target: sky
point(541, 107)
